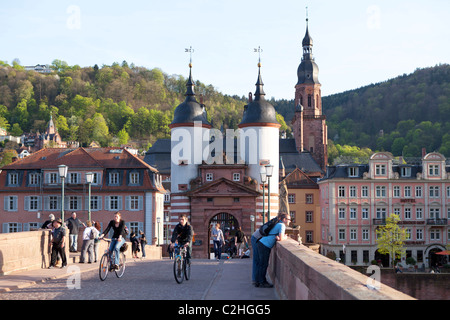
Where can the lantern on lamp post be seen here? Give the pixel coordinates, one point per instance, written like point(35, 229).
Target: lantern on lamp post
point(89, 179)
point(62, 170)
point(269, 171)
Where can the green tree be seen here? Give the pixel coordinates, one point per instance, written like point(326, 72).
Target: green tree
point(391, 238)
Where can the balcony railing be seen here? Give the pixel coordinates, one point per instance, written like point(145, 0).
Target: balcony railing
point(379, 221)
point(437, 222)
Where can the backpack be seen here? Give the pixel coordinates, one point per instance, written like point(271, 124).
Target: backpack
point(93, 234)
point(266, 227)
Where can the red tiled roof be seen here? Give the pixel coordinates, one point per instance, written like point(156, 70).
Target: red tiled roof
point(80, 158)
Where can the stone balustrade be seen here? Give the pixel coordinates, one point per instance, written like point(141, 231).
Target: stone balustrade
point(299, 273)
point(22, 251)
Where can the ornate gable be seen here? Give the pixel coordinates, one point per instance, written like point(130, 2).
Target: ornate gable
point(223, 187)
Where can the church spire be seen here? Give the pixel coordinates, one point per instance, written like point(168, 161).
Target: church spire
point(307, 42)
point(190, 83)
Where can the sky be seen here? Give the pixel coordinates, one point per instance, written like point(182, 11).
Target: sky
point(356, 42)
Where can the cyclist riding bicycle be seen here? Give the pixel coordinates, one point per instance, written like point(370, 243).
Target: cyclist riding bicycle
point(118, 238)
point(182, 235)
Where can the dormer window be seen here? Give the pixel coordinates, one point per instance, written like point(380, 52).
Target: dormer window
point(34, 179)
point(134, 177)
point(353, 171)
point(406, 172)
point(433, 170)
point(13, 179)
point(380, 169)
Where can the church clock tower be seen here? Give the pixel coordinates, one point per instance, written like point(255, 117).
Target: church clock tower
point(310, 129)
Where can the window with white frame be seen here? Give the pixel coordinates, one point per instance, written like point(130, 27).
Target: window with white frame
point(434, 191)
point(309, 216)
point(396, 191)
point(96, 178)
point(407, 191)
point(13, 179)
point(74, 203)
point(406, 172)
point(365, 234)
point(13, 227)
point(407, 213)
point(364, 191)
point(341, 191)
point(95, 203)
point(434, 213)
point(418, 191)
point(209, 177)
point(291, 198)
point(236, 177)
point(365, 213)
point(10, 203)
point(353, 171)
point(419, 213)
point(167, 197)
point(381, 213)
point(74, 177)
point(341, 213)
point(435, 234)
point(114, 203)
point(341, 234)
point(353, 234)
point(134, 203)
point(34, 179)
point(397, 211)
point(353, 214)
point(309, 198)
point(114, 178)
point(134, 177)
point(448, 192)
point(380, 191)
point(53, 178)
point(34, 203)
point(419, 234)
point(352, 192)
point(433, 170)
point(380, 169)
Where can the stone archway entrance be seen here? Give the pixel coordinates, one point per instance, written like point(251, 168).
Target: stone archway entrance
point(228, 224)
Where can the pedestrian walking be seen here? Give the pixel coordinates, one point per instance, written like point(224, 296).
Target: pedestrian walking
point(134, 245)
point(89, 235)
point(240, 241)
point(48, 223)
point(218, 240)
point(58, 237)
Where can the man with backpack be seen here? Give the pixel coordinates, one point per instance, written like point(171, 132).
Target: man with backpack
point(263, 241)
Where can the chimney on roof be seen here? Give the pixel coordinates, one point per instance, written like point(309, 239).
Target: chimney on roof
point(424, 152)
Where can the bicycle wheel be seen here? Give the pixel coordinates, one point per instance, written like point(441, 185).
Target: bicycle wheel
point(178, 270)
point(187, 268)
point(121, 270)
point(103, 267)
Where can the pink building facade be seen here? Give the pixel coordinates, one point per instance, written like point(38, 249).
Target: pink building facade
point(31, 189)
point(356, 199)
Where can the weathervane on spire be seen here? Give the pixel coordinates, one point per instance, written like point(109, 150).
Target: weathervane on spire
point(190, 50)
point(259, 50)
point(307, 19)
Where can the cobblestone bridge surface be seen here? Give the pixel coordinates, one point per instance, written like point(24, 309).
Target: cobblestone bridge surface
point(143, 280)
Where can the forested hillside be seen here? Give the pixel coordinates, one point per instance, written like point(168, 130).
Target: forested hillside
point(401, 115)
point(112, 105)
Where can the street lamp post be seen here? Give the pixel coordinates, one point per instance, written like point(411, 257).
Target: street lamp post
point(89, 179)
point(62, 170)
point(263, 181)
point(158, 220)
point(269, 171)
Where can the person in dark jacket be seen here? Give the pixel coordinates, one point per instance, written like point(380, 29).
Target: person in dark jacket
point(118, 238)
point(183, 234)
point(57, 243)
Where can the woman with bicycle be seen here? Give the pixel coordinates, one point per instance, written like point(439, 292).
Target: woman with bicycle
point(118, 237)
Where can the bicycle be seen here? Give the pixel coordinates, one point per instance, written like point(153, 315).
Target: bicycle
point(106, 263)
point(181, 266)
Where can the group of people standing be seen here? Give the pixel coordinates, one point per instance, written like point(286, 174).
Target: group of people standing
point(91, 237)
